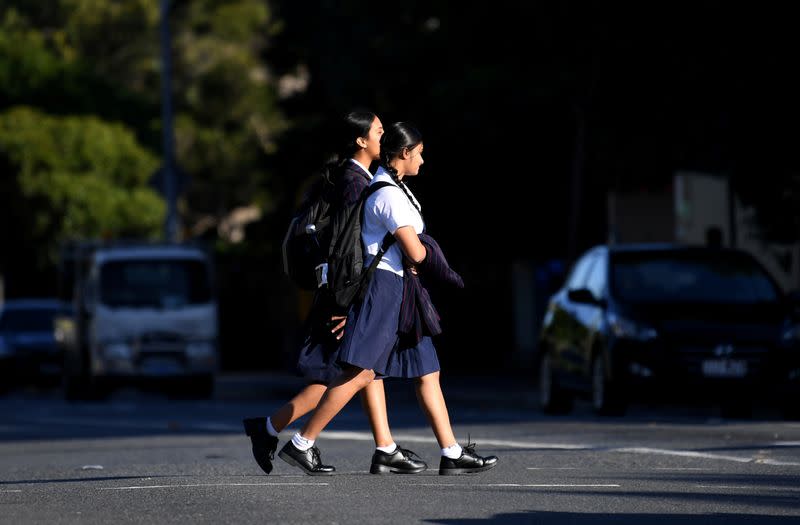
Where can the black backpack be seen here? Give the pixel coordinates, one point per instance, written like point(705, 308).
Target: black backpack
point(305, 245)
point(347, 277)
point(323, 230)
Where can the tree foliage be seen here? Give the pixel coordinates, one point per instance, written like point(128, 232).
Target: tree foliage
point(80, 105)
point(77, 176)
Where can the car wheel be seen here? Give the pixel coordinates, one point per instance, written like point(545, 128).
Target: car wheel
point(606, 400)
point(552, 398)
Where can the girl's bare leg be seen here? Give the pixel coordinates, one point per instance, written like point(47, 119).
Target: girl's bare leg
point(373, 399)
point(431, 399)
point(339, 393)
point(300, 405)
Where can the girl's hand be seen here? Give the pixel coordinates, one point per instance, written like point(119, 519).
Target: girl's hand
point(338, 321)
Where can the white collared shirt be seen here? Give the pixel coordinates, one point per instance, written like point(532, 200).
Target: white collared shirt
point(386, 210)
point(366, 170)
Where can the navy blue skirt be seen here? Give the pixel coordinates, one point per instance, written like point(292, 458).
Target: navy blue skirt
point(318, 361)
point(370, 336)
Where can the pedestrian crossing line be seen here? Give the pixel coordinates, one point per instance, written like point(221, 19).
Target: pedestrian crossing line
point(701, 455)
point(193, 485)
point(413, 438)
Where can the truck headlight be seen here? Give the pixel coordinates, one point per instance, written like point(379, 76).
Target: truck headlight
point(199, 349)
point(625, 328)
point(117, 351)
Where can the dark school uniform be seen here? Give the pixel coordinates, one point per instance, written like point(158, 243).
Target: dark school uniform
point(371, 339)
point(317, 360)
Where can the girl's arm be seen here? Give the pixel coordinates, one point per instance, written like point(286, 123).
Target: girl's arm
point(409, 242)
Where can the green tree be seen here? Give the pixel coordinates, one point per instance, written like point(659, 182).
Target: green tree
point(102, 58)
point(74, 176)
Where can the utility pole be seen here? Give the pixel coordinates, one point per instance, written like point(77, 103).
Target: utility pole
point(576, 188)
point(168, 168)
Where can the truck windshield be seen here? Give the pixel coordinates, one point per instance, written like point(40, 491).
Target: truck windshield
point(170, 283)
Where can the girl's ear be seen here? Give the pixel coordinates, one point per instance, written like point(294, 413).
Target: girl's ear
point(362, 143)
point(405, 154)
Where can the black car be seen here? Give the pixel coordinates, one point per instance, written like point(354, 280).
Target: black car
point(28, 349)
point(639, 319)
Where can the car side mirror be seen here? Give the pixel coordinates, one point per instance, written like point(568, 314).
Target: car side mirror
point(584, 296)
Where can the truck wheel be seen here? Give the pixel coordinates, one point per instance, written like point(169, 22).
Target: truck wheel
point(199, 387)
point(84, 388)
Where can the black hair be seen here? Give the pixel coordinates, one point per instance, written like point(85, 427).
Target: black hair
point(396, 138)
point(350, 126)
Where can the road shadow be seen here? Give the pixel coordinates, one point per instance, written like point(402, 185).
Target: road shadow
point(575, 518)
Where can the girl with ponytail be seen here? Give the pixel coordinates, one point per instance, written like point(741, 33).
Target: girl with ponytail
point(371, 346)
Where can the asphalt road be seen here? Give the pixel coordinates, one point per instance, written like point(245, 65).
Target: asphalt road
point(142, 457)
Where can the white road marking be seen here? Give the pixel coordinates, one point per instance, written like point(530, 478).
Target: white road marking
point(10, 491)
point(748, 488)
point(553, 468)
point(135, 487)
point(680, 453)
point(778, 462)
point(410, 438)
point(680, 468)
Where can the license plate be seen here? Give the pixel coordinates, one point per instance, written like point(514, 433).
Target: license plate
point(160, 367)
point(724, 368)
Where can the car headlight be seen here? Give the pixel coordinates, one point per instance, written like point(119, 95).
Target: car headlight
point(625, 328)
point(118, 351)
point(199, 349)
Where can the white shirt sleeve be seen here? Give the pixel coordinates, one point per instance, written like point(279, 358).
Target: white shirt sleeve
point(392, 209)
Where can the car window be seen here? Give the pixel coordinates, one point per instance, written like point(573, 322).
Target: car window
point(577, 278)
point(709, 277)
point(596, 281)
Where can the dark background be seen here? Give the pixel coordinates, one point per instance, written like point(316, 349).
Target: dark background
point(531, 113)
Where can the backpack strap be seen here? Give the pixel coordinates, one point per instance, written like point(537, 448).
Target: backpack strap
point(387, 242)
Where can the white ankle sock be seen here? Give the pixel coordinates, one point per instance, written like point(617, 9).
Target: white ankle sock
point(302, 443)
point(270, 429)
point(389, 449)
point(452, 452)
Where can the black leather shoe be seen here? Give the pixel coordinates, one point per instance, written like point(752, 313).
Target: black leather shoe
point(401, 461)
point(264, 445)
point(308, 460)
point(469, 462)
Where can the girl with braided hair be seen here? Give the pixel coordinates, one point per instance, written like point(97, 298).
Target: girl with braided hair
point(371, 346)
point(358, 144)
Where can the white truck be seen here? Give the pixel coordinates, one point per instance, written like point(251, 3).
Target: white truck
point(143, 314)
